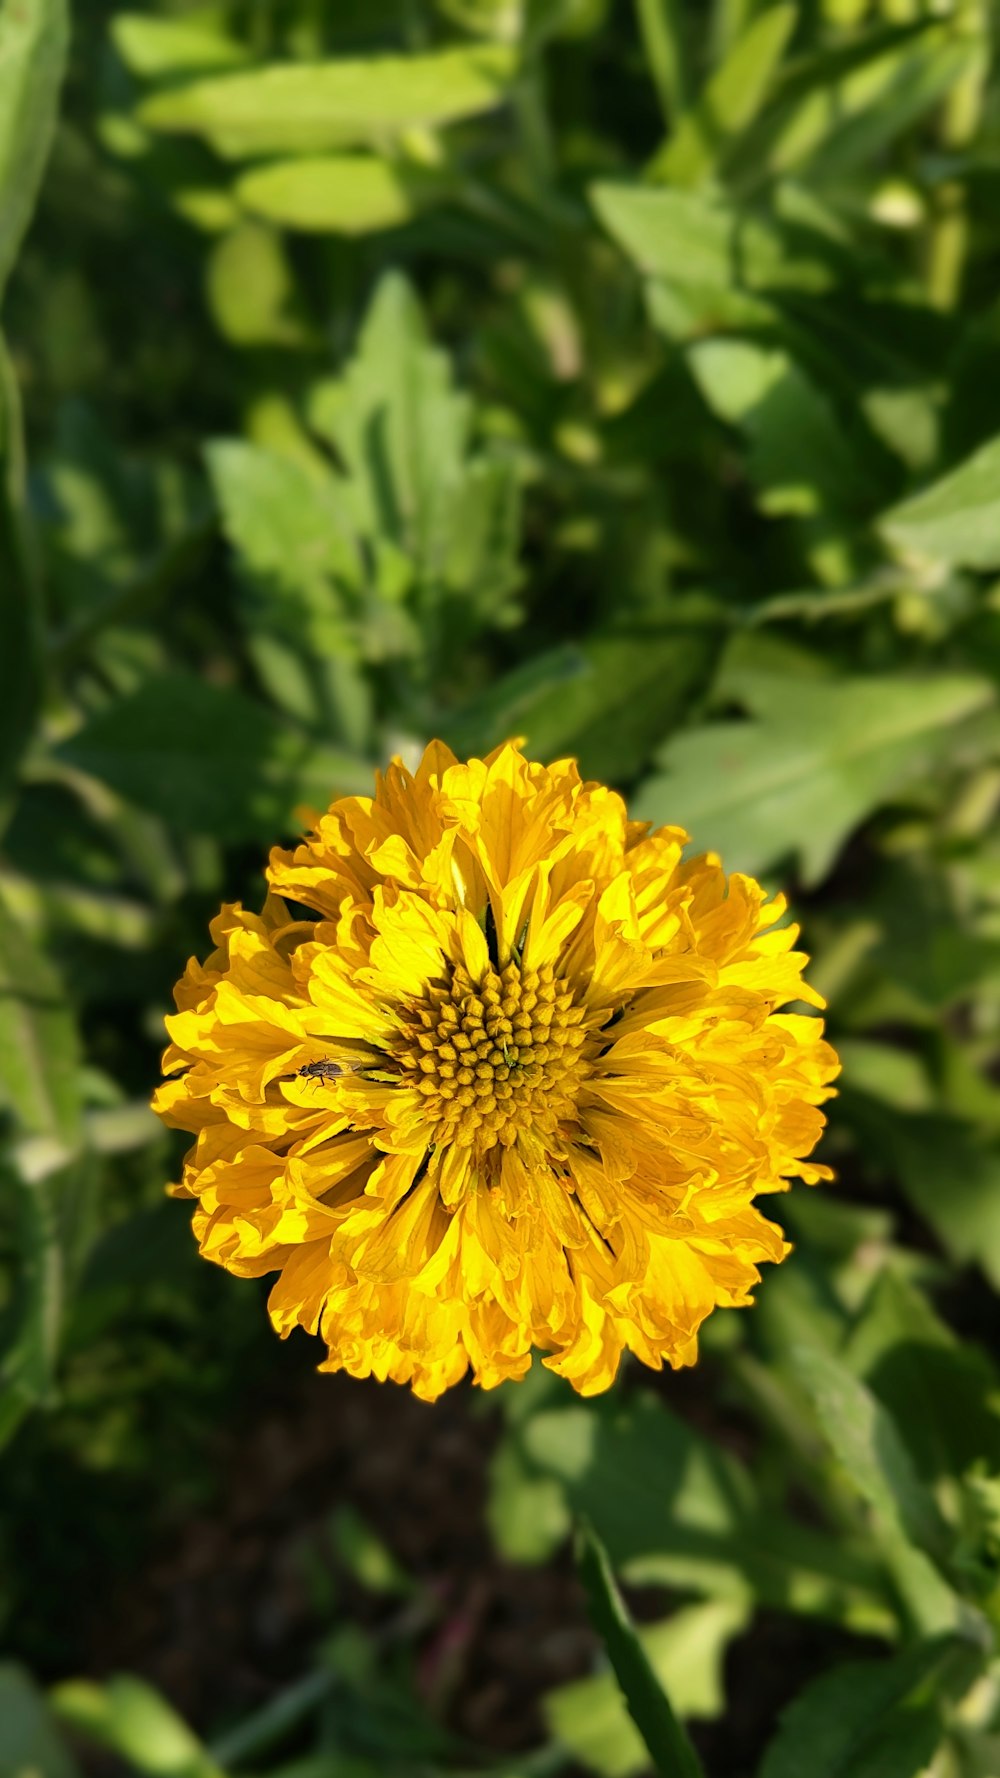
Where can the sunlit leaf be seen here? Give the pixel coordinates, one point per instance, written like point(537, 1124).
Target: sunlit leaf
point(34, 35)
point(131, 1719)
point(251, 288)
point(956, 519)
point(840, 111)
point(348, 194)
point(155, 47)
point(306, 108)
point(811, 764)
point(730, 99)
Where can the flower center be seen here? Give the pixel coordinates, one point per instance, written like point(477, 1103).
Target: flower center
point(498, 1056)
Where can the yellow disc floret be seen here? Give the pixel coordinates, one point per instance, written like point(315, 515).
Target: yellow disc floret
point(498, 1056)
point(496, 1069)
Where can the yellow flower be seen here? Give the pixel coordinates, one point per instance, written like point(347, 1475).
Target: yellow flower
point(495, 1069)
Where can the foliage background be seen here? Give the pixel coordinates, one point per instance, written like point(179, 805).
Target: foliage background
point(622, 375)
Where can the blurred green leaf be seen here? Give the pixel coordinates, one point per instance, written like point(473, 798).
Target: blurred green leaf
point(867, 1444)
point(34, 35)
point(131, 1719)
point(799, 459)
point(648, 1703)
point(40, 1090)
point(348, 194)
point(366, 1556)
point(949, 1171)
point(607, 701)
point(443, 517)
point(880, 1720)
point(942, 1390)
point(956, 519)
point(676, 1510)
point(717, 254)
point(251, 288)
point(155, 47)
point(662, 26)
point(814, 762)
point(688, 237)
point(685, 1653)
point(30, 1746)
point(20, 603)
point(39, 1049)
point(308, 108)
point(729, 101)
point(840, 110)
point(300, 570)
point(209, 758)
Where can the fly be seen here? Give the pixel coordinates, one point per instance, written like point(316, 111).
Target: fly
point(322, 1070)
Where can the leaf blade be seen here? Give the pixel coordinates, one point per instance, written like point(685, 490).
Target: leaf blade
point(327, 105)
point(648, 1704)
point(34, 39)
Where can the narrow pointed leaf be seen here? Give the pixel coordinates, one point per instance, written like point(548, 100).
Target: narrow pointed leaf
point(651, 1710)
point(33, 40)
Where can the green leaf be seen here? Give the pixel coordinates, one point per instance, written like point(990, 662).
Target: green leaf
point(816, 760)
point(528, 1513)
point(305, 108)
point(867, 1444)
point(155, 48)
point(957, 519)
point(868, 1719)
point(685, 1652)
point(841, 111)
point(302, 598)
point(135, 1722)
point(347, 194)
point(40, 1090)
point(942, 1390)
point(441, 514)
point(950, 1174)
point(661, 25)
point(39, 1049)
point(30, 1746)
point(21, 618)
point(688, 237)
point(729, 101)
point(251, 289)
point(675, 1510)
point(648, 1704)
point(800, 459)
point(34, 36)
point(607, 702)
point(210, 759)
point(293, 528)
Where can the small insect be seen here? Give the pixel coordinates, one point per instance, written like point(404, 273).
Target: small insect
point(322, 1070)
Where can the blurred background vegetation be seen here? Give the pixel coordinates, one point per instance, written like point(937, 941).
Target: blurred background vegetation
point(620, 373)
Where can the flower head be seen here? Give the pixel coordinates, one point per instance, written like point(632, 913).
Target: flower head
point(496, 1068)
